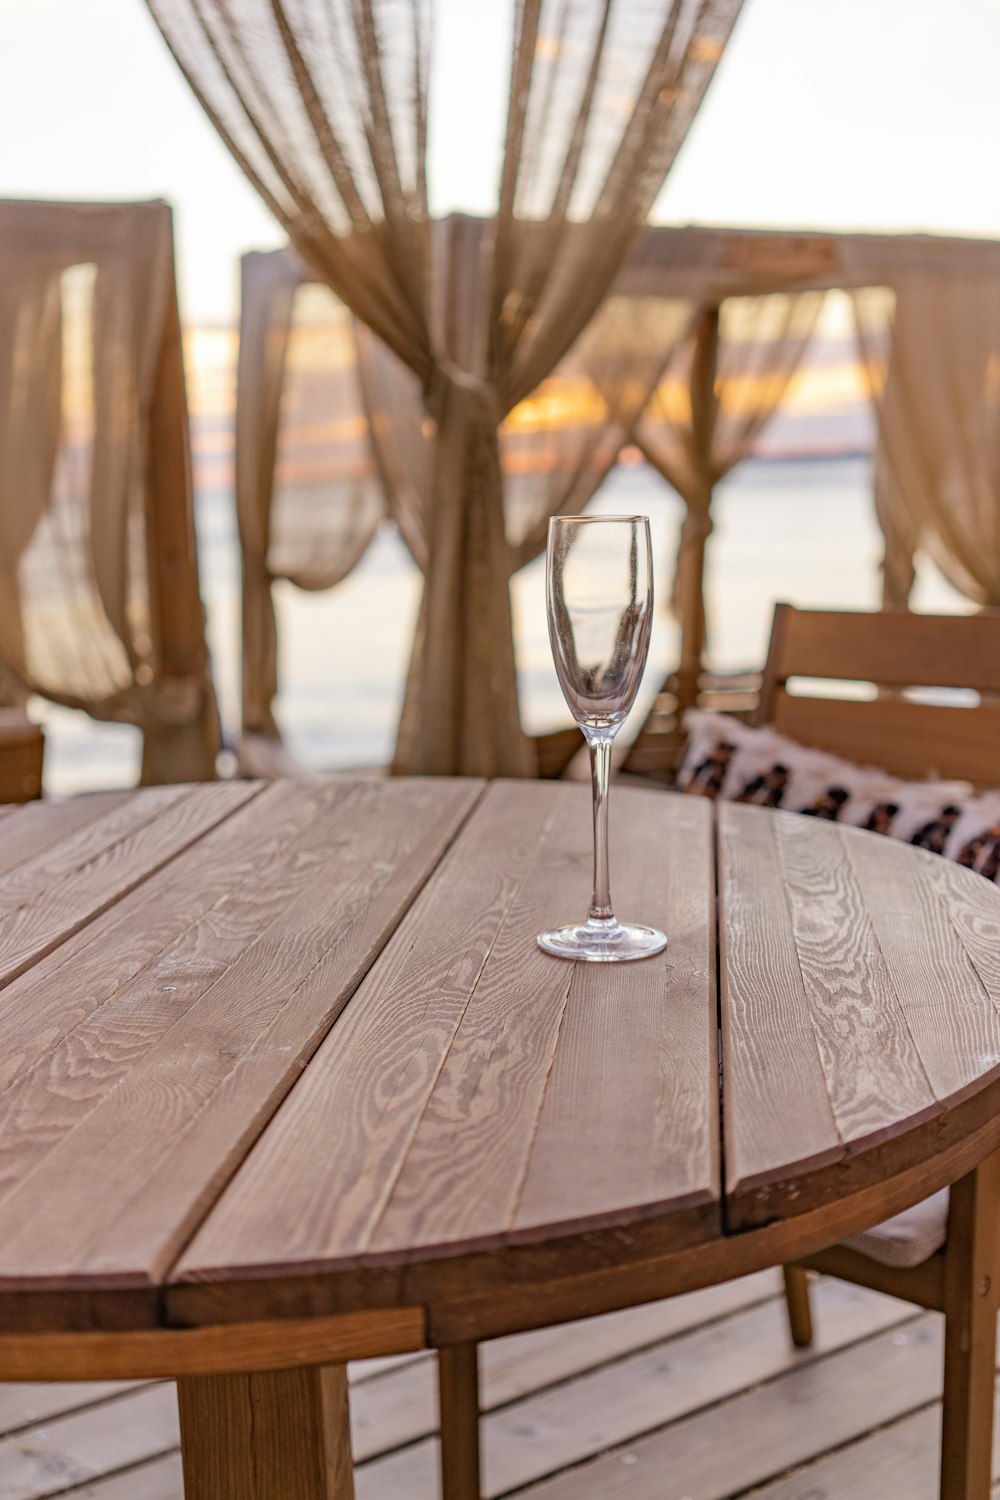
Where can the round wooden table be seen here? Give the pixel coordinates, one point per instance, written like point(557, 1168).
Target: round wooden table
point(285, 1080)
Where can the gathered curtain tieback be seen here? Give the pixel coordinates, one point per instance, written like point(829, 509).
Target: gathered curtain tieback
point(481, 396)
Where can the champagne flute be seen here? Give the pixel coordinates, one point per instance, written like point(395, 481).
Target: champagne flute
point(599, 590)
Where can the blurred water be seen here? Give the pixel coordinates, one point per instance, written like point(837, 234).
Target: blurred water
point(801, 530)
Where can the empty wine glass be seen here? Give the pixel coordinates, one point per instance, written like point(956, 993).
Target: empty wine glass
point(599, 588)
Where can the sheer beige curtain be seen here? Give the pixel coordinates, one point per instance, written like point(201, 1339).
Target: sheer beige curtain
point(309, 498)
point(717, 395)
point(935, 383)
point(325, 105)
point(99, 601)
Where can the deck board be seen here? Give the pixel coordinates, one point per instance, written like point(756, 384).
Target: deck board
point(704, 1388)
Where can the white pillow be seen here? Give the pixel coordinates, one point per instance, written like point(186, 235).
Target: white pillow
point(730, 760)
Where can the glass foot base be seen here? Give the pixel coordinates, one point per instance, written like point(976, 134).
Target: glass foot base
point(602, 942)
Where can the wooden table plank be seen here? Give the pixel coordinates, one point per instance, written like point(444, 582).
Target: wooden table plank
point(460, 1184)
point(630, 1110)
point(947, 1009)
point(974, 911)
point(35, 826)
point(874, 1077)
point(414, 1126)
point(82, 841)
point(111, 1204)
point(76, 1023)
point(48, 900)
point(767, 1031)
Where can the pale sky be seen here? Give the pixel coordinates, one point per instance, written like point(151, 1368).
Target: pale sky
point(860, 114)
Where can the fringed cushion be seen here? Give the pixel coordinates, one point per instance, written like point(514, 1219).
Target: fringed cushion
point(908, 1239)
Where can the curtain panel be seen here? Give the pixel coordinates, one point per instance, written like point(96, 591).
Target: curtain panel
point(99, 601)
point(308, 496)
point(325, 106)
point(929, 340)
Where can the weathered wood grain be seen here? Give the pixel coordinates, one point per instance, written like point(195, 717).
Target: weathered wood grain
point(266, 1437)
point(630, 1105)
point(768, 1037)
point(85, 840)
point(768, 1430)
point(76, 1023)
point(159, 1479)
point(426, 1098)
point(49, 899)
point(874, 1076)
point(28, 830)
point(628, 1121)
point(973, 906)
point(461, 1181)
point(86, 1444)
point(898, 1459)
point(354, 1115)
point(947, 1010)
point(523, 1287)
point(119, 1193)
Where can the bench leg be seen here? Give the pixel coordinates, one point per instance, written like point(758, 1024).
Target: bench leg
point(458, 1396)
point(266, 1437)
point(797, 1304)
point(972, 1292)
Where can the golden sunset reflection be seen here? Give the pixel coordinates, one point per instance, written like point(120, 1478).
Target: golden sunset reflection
point(314, 447)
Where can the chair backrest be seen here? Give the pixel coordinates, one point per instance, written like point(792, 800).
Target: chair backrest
point(100, 606)
point(910, 733)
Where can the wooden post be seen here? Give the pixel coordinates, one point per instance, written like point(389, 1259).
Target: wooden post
point(972, 1294)
point(184, 752)
point(690, 588)
point(278, 1436)
point(458, 1396)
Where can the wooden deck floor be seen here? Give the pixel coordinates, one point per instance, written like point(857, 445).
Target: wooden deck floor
point(701, 1398)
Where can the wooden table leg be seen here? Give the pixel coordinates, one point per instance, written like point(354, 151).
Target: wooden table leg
point(971, 1297)
point(458, 1400)
point(266, 1437)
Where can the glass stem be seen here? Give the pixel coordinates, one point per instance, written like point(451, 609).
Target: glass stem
point(600, 770)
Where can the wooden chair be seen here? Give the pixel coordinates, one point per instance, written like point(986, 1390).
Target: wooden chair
point(944, 1253)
